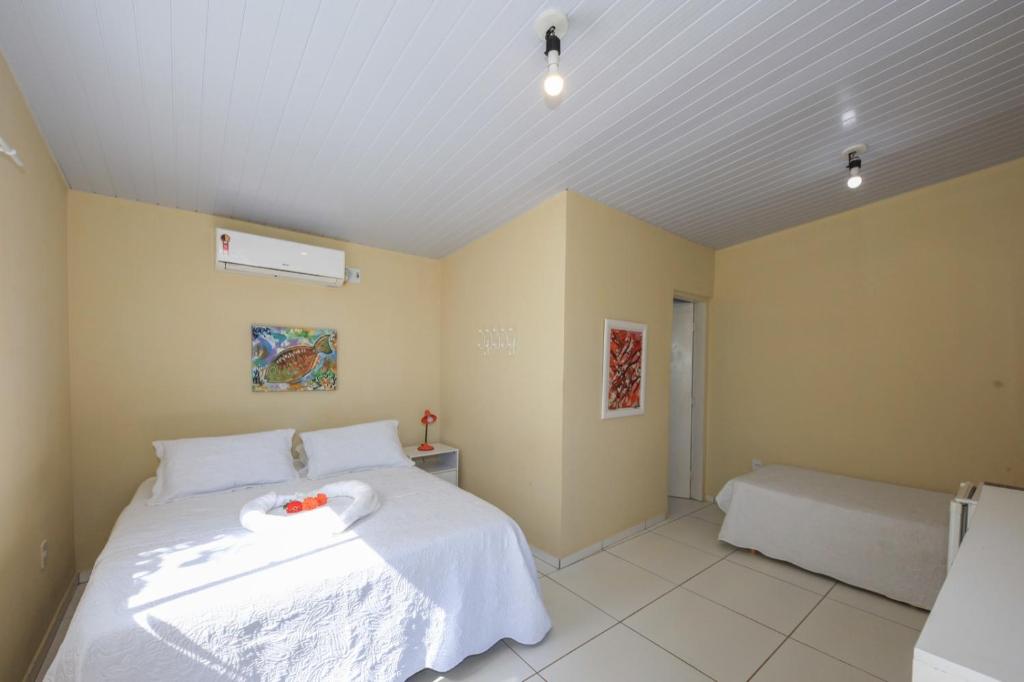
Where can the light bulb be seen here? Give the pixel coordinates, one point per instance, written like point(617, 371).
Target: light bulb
point(553, 84)
point(853, 164)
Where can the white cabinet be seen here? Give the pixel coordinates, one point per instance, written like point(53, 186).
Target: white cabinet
point(442, 461)
point(974, 632)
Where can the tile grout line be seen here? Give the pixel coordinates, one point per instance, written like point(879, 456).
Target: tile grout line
point(610, 615)
point(788, 582)
point(680, 585)
point(825, 653)
point(677, 657)
point(813, 648)
point(754, 620)
point(625, 625)
point(687, 544)
point(786, 638)
point(872, 613)
point(579, 646)
point(683, 586)
point(675, 584)
point(588, 640)
point(729, 608)
point(516, 654)
point(828, 591)
point(623, 622)
point(630, 615)
point(834, 658)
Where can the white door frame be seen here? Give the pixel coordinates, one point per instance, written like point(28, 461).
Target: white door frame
point(700, 357)
point(680, 424)
point(699, 393)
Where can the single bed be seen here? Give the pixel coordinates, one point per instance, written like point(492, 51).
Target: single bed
point(183, 592)
point(885, 538)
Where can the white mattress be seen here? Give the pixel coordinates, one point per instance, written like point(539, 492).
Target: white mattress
point(183, 592)
point(885, 538)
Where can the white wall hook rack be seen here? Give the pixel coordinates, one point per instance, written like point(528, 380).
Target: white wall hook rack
point(10, 151)
point(497, 341)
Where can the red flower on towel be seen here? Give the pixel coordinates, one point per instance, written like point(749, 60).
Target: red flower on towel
point(305, 504)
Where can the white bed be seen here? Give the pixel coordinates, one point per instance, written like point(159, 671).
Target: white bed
point(183, 592)
point(885, 538)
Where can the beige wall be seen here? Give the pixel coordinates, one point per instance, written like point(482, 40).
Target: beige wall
point(505, 412)
point(35, 452)
point(886, 342)
point(615, 471)
point(160, 345)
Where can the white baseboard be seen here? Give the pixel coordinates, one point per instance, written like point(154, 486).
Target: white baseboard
point(580, 555)
point(593, 549)
point(655, 520)
point(623, 535)
point(51, 631)
point(544, 556)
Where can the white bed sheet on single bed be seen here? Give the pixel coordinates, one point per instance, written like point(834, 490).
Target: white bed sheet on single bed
point(885, 538)
point(183, 592)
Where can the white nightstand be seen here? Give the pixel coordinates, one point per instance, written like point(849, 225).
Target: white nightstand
point(442, 461)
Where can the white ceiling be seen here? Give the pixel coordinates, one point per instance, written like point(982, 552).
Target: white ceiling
point(419, 125)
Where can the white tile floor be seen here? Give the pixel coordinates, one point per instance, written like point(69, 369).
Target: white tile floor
point(675, 604)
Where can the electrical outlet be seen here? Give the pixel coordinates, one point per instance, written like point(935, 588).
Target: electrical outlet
point(756, 464)
point(44, 554)
point(353, 276)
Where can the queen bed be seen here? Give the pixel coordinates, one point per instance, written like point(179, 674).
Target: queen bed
point(183, 592)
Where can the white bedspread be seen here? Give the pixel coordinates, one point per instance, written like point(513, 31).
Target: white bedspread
point(182, 592)
point(885, 538)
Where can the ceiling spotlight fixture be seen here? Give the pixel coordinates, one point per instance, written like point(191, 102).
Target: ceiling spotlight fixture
point(551, 26)
point(852, 156)
point(553, 82)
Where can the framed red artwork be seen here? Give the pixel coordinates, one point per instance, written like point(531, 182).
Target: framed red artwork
point(625, 369)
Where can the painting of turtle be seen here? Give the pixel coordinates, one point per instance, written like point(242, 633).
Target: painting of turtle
point(294, 359)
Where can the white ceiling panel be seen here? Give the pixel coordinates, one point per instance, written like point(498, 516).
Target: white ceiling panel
point(419, 125)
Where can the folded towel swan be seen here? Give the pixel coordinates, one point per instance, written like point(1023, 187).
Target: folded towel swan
point(254, 516)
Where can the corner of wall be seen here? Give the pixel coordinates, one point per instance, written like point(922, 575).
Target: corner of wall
point(513, 276)
point(879, 342)
point(34, 400)
point(619, 267)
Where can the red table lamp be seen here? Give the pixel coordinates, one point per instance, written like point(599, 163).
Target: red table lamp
point(427, 419)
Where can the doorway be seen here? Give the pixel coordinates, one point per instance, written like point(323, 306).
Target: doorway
point(686, 402)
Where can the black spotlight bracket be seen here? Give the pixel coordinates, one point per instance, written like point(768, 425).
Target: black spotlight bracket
point(552, 41)
point(853, 161)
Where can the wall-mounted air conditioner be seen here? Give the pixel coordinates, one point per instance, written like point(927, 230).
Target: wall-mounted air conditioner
point(268, 257)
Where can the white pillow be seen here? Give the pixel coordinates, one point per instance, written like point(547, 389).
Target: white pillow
point(193, 466)
point(351, 448)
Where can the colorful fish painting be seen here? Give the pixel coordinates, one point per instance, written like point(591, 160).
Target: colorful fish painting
point(294, 359)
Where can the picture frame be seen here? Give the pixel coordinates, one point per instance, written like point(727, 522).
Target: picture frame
point(289, 359)
point(624, 369)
